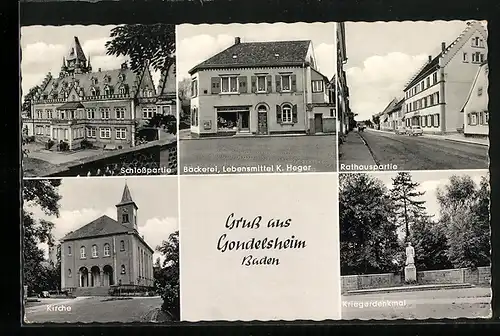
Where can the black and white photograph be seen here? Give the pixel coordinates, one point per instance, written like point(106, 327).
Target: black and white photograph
point(100, 250)
point(98, 100)
point(256, 98)
point(413, 95)
point(415, 245)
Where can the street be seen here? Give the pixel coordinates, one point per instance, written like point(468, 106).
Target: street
point(93, 309)
point(318, 152)
point(405, 152)
point(446, 303)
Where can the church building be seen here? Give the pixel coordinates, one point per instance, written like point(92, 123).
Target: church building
point(102, 107)
point(106, 253)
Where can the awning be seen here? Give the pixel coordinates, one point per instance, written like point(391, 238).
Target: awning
point(70, 106)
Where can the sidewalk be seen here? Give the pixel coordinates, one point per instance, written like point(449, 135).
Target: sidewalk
point(450, 137)
point(354, 150)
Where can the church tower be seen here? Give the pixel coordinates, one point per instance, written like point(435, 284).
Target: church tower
point(76, 62)
point(127, 210)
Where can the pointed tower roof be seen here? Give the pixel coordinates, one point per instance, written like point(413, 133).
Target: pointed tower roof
point(76, 51)
point(126, 197)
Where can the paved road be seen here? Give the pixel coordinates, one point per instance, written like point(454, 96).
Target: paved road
point(312, 153)
point(94, 309)
point(446, 303)
point(420, 153)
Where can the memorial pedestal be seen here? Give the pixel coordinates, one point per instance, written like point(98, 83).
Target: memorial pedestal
point(410, 274)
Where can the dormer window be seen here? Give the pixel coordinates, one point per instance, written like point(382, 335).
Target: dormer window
point(65, 84)
point(121, 77)
point(107, 91)
point(123, 89)
point(107, 79)
point(54, 96)
point(276, 55)
point(235, 56)
point(94, 81)
point(93, 91)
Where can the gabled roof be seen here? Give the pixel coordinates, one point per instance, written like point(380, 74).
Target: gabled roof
point(70, 106)
point(126, 197)
point(167, 76)
point(390, 106)
point(101, 226)
point(255, 54)
point(483, 67)
point(430, 66)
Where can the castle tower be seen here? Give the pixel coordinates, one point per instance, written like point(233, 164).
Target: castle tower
point(76, 61)
point(127, 210)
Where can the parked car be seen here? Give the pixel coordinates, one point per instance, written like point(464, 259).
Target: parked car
point(44, 294)
point(401, 130)
point(415, 130)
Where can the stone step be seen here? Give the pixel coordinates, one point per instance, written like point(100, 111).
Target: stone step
point(91, 291)
point(411, 288)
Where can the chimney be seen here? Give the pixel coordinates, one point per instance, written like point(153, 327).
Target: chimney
point(443, 46)
point(99, 69)
point(237, 40)
point(430, 58)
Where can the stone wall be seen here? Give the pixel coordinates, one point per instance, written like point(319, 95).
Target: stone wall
point(154, 158)
point(479, 276)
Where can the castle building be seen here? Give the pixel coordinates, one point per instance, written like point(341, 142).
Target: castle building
point(107, 252)
point(102, 107)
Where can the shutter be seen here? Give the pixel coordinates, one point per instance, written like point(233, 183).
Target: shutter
point(215, 81)
point(294, 114)
point(242, 81)
point(269, 80)
point(294, 82)
point(278, 114)
point(278, 83)
point(254, 84)
point(437, 117)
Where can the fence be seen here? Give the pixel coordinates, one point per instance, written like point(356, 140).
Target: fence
point(478, 276)
point(154, 158)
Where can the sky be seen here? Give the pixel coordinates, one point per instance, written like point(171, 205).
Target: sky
point(86, 199)
point(43, 49)
point(383, 56)
point(196, 43)
point(429, 182)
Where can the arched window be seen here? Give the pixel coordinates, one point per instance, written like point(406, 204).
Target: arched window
point(83, 254)
point(69, 273)
point(94, 251)
point(106, 250)
point(122, 245)
point(123, 269)
point(93, 91)
point(107, 91)
point(69, 250)
point(286, 113)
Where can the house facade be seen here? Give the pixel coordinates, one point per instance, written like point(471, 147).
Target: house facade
point(436, 94)
point(261, 88)
point(343, 109)
point(392, 116)
point(475, 110)
point(167, 92)
point(101, 107)
point(107, 252)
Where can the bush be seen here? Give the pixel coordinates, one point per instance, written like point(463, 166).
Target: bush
point(86, 144)
point(30, 138)
point(63, 146)
point(49, 144)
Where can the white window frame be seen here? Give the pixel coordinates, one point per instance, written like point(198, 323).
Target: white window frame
point(315, 88)
point(168, 107)
point(148, 112)
point(265, 84)
point(287, 118)
point(228, 78)
point(69, 250)
point(120, 112)
point(105, 133)
point(465, 58)
point(194, 88)
point(473, 119)
point(289, 83)
point(486, 116)
point(120, 133)
point(94, 251)
point(90, 113)
point(49, 113)
point(91, 132)
point(105, 113)
point(106, 250)
point(83, 253)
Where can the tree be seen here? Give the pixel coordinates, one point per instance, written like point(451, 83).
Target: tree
point(167, 276)
point(408, 209)
point(368, 239)
point(168, 122)
point(153, 43)
point(430, 245)
point(464, 210)
point(28, 98)
point(44, 195)
point(184, 89)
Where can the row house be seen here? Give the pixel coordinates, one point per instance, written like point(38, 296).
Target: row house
point(102, 107)
point(261, 88)
point(343, 110)
point(436, 94)
point(475, 109)
point(392, 116)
